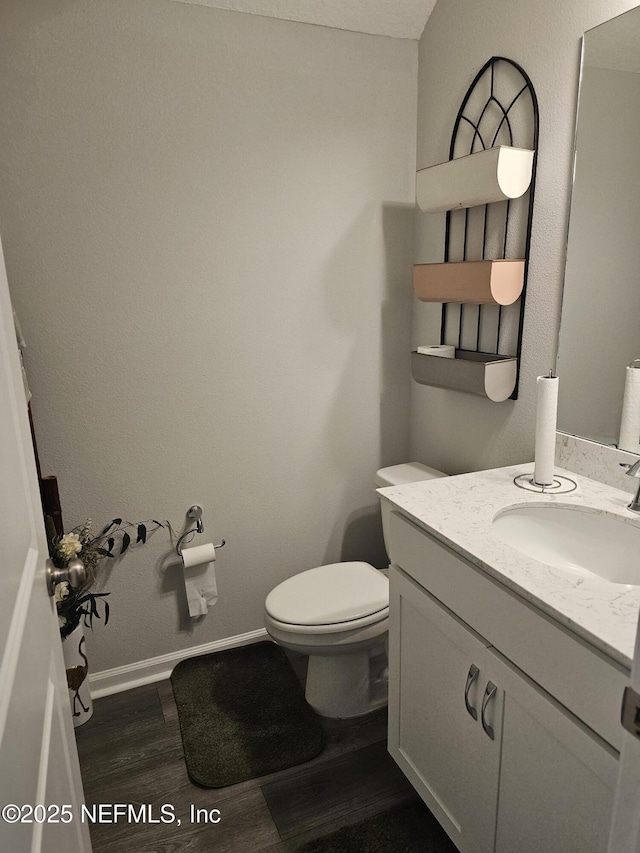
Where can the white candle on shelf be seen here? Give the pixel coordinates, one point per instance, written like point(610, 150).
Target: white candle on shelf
point(546, 416)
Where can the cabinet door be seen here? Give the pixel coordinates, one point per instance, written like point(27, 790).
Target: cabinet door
point(448, 757)
point(557, 777)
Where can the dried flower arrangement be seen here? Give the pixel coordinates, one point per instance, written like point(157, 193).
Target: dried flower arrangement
point(76, 603)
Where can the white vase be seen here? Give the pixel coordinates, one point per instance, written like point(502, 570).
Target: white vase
point(77, 667)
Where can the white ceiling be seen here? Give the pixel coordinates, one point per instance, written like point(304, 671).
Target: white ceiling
point(397, 18)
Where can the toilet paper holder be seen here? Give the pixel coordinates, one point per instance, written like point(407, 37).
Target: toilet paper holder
point(194, 512)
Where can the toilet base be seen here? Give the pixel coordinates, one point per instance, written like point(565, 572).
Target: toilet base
point(348, 685)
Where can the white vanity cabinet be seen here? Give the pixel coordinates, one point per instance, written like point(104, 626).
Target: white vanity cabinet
point(452, 763)
point(500, 762)
point(557, 779)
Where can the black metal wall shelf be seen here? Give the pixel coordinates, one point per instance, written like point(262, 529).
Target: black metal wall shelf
point(499, 109)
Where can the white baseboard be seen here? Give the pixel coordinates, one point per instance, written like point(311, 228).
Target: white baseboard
point(147, 671)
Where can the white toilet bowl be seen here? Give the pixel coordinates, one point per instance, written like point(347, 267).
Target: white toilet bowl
point(338, 615)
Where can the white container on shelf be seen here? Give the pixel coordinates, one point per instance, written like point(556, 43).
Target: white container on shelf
point(492, 175)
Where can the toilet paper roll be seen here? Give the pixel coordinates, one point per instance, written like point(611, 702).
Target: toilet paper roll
point(443, 350)
point(546, 416)
point(200, 578)
point(630, 420)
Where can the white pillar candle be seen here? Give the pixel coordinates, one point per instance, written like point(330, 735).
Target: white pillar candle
point(546, 416)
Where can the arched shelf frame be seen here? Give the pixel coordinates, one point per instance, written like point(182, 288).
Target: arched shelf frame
point(499, 112)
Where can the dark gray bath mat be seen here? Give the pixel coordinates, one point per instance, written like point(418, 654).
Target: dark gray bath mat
point(243, 714)
point(408, 828)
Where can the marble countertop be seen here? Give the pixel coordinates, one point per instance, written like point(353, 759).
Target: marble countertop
point(459, 510)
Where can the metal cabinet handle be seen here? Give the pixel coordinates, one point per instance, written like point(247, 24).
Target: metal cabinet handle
point(472, 676)
point(489, 693)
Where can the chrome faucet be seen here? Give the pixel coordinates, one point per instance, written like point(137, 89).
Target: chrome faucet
point(633, 471)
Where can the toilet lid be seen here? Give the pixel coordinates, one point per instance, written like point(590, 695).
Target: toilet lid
point(329, 594)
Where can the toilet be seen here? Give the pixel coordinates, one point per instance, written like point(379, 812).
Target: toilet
point(338, 614)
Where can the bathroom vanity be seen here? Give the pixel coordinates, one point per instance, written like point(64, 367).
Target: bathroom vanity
point(507, 673)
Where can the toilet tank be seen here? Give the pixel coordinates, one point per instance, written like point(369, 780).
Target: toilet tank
point(396, 475)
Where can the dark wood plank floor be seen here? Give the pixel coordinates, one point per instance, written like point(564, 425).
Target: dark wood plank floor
point(131, 752)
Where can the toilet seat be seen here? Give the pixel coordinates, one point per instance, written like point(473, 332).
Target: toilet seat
point(329, 627)
point(331, 598)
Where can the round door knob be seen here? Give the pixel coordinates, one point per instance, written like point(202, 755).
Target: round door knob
point(74, 572)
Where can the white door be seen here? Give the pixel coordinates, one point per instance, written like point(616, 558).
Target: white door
point(625, 826)
point(38, 759)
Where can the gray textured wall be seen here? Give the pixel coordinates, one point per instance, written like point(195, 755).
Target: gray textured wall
point(207, 224)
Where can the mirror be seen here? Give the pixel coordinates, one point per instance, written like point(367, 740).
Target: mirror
point(600, 324)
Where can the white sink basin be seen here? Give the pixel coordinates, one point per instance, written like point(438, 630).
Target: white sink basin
point(571, 539)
